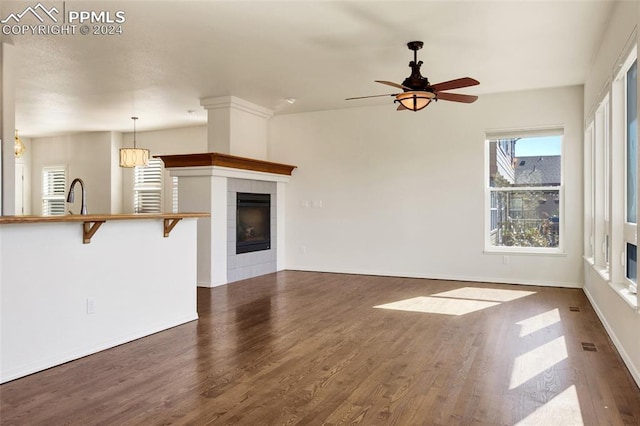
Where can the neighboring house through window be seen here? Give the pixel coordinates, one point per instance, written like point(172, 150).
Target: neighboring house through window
point(524, 192)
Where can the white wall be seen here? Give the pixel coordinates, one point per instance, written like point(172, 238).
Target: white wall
point(617, 35)
point(379, 191)
point(25, 161)
point(7, 124)
point(619, 318)
point(185, 140)
point(116, 173)
point(87, 156)
point(141, 283)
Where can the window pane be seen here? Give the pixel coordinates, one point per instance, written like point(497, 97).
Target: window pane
point(632, 142)
point(632, 263)
point(523, 162)
point(526, 218)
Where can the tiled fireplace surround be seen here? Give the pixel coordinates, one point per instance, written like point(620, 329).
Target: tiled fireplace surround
point(237, 135)
point(249, 265)
point(210, 182)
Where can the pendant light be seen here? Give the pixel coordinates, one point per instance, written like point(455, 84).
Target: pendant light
point(18, 146)
point(134, 157)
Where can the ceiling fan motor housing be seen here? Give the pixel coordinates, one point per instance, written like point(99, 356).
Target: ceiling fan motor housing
point(416, 81)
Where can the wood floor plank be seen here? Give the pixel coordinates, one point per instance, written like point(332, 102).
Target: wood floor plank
point(304, 348)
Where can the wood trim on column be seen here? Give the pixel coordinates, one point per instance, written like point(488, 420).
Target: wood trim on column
point(225, 160)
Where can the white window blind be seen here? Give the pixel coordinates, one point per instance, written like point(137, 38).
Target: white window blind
point(174, 194)
point(54, 181)
point(147, 187)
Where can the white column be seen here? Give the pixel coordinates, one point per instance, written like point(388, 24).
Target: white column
point(237, 127)
point(7, 128)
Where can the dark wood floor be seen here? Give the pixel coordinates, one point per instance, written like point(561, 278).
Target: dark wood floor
point(312, 348)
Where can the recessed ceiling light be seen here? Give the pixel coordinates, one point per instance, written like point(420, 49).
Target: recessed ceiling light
point(291, 100)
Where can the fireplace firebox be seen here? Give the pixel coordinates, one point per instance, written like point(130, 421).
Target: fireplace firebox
point(253, 222)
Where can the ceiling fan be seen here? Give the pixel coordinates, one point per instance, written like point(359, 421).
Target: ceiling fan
point(418, 92)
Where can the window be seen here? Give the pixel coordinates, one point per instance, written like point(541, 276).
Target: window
point(632, 263)
point(629, 75)
point(147, 187)
point(601, 187)
point(611, 173)
point(524, 192)
point(54, 182)
point(631, 118)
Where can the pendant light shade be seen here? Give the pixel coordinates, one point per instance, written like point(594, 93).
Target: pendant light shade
point(415, 100)
point(18, 146)
point(134, 157)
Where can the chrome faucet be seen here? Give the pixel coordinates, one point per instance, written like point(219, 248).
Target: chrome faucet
point(83, 209)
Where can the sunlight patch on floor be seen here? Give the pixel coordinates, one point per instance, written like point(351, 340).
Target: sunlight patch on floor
point(492, 294)
point(460, 301)
point(563, 409)
point(438, 305)
point(536, 361)
point(538, 322)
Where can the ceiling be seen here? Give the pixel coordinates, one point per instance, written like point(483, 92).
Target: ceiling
point(172, 53)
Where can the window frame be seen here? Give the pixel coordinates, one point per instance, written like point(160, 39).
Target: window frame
point(629, 229)
point(523, 133)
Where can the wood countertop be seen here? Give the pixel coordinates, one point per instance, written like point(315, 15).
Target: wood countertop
point(97, 217)
point(91, 222)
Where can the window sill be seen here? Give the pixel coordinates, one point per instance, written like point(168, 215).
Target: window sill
point(527, 251)
point(603, 272)
point(625, 294)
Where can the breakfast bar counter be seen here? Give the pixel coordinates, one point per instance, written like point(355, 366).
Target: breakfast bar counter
point(61, 299)
point(91, 222)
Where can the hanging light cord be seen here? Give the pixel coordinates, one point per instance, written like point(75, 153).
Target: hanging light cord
point(134, 131)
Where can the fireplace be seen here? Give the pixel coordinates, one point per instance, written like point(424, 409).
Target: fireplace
point(253, 222)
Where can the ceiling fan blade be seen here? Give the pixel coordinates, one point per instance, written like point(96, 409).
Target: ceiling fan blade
point(400, 107)
point(391, 83)
point(372, 96)
point(455, 84)
point(456, 97)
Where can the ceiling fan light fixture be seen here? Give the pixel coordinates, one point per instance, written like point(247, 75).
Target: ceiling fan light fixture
point(134, 157)
point(414, 100)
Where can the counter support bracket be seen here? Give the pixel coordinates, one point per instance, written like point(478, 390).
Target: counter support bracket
point(89, 229)
point(169, 224)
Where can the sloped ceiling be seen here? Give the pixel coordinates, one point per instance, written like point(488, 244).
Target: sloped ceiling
point(172, 53)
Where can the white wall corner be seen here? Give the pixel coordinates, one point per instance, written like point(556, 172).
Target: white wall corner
point(281, 199)
point(219, 213)
point(7, 125)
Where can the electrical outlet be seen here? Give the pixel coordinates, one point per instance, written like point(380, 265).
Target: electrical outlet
point(91, 305)
point(303, 249)
point(505, 260)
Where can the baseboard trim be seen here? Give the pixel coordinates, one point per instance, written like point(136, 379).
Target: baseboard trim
point(614, 338)
point(494, 280)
